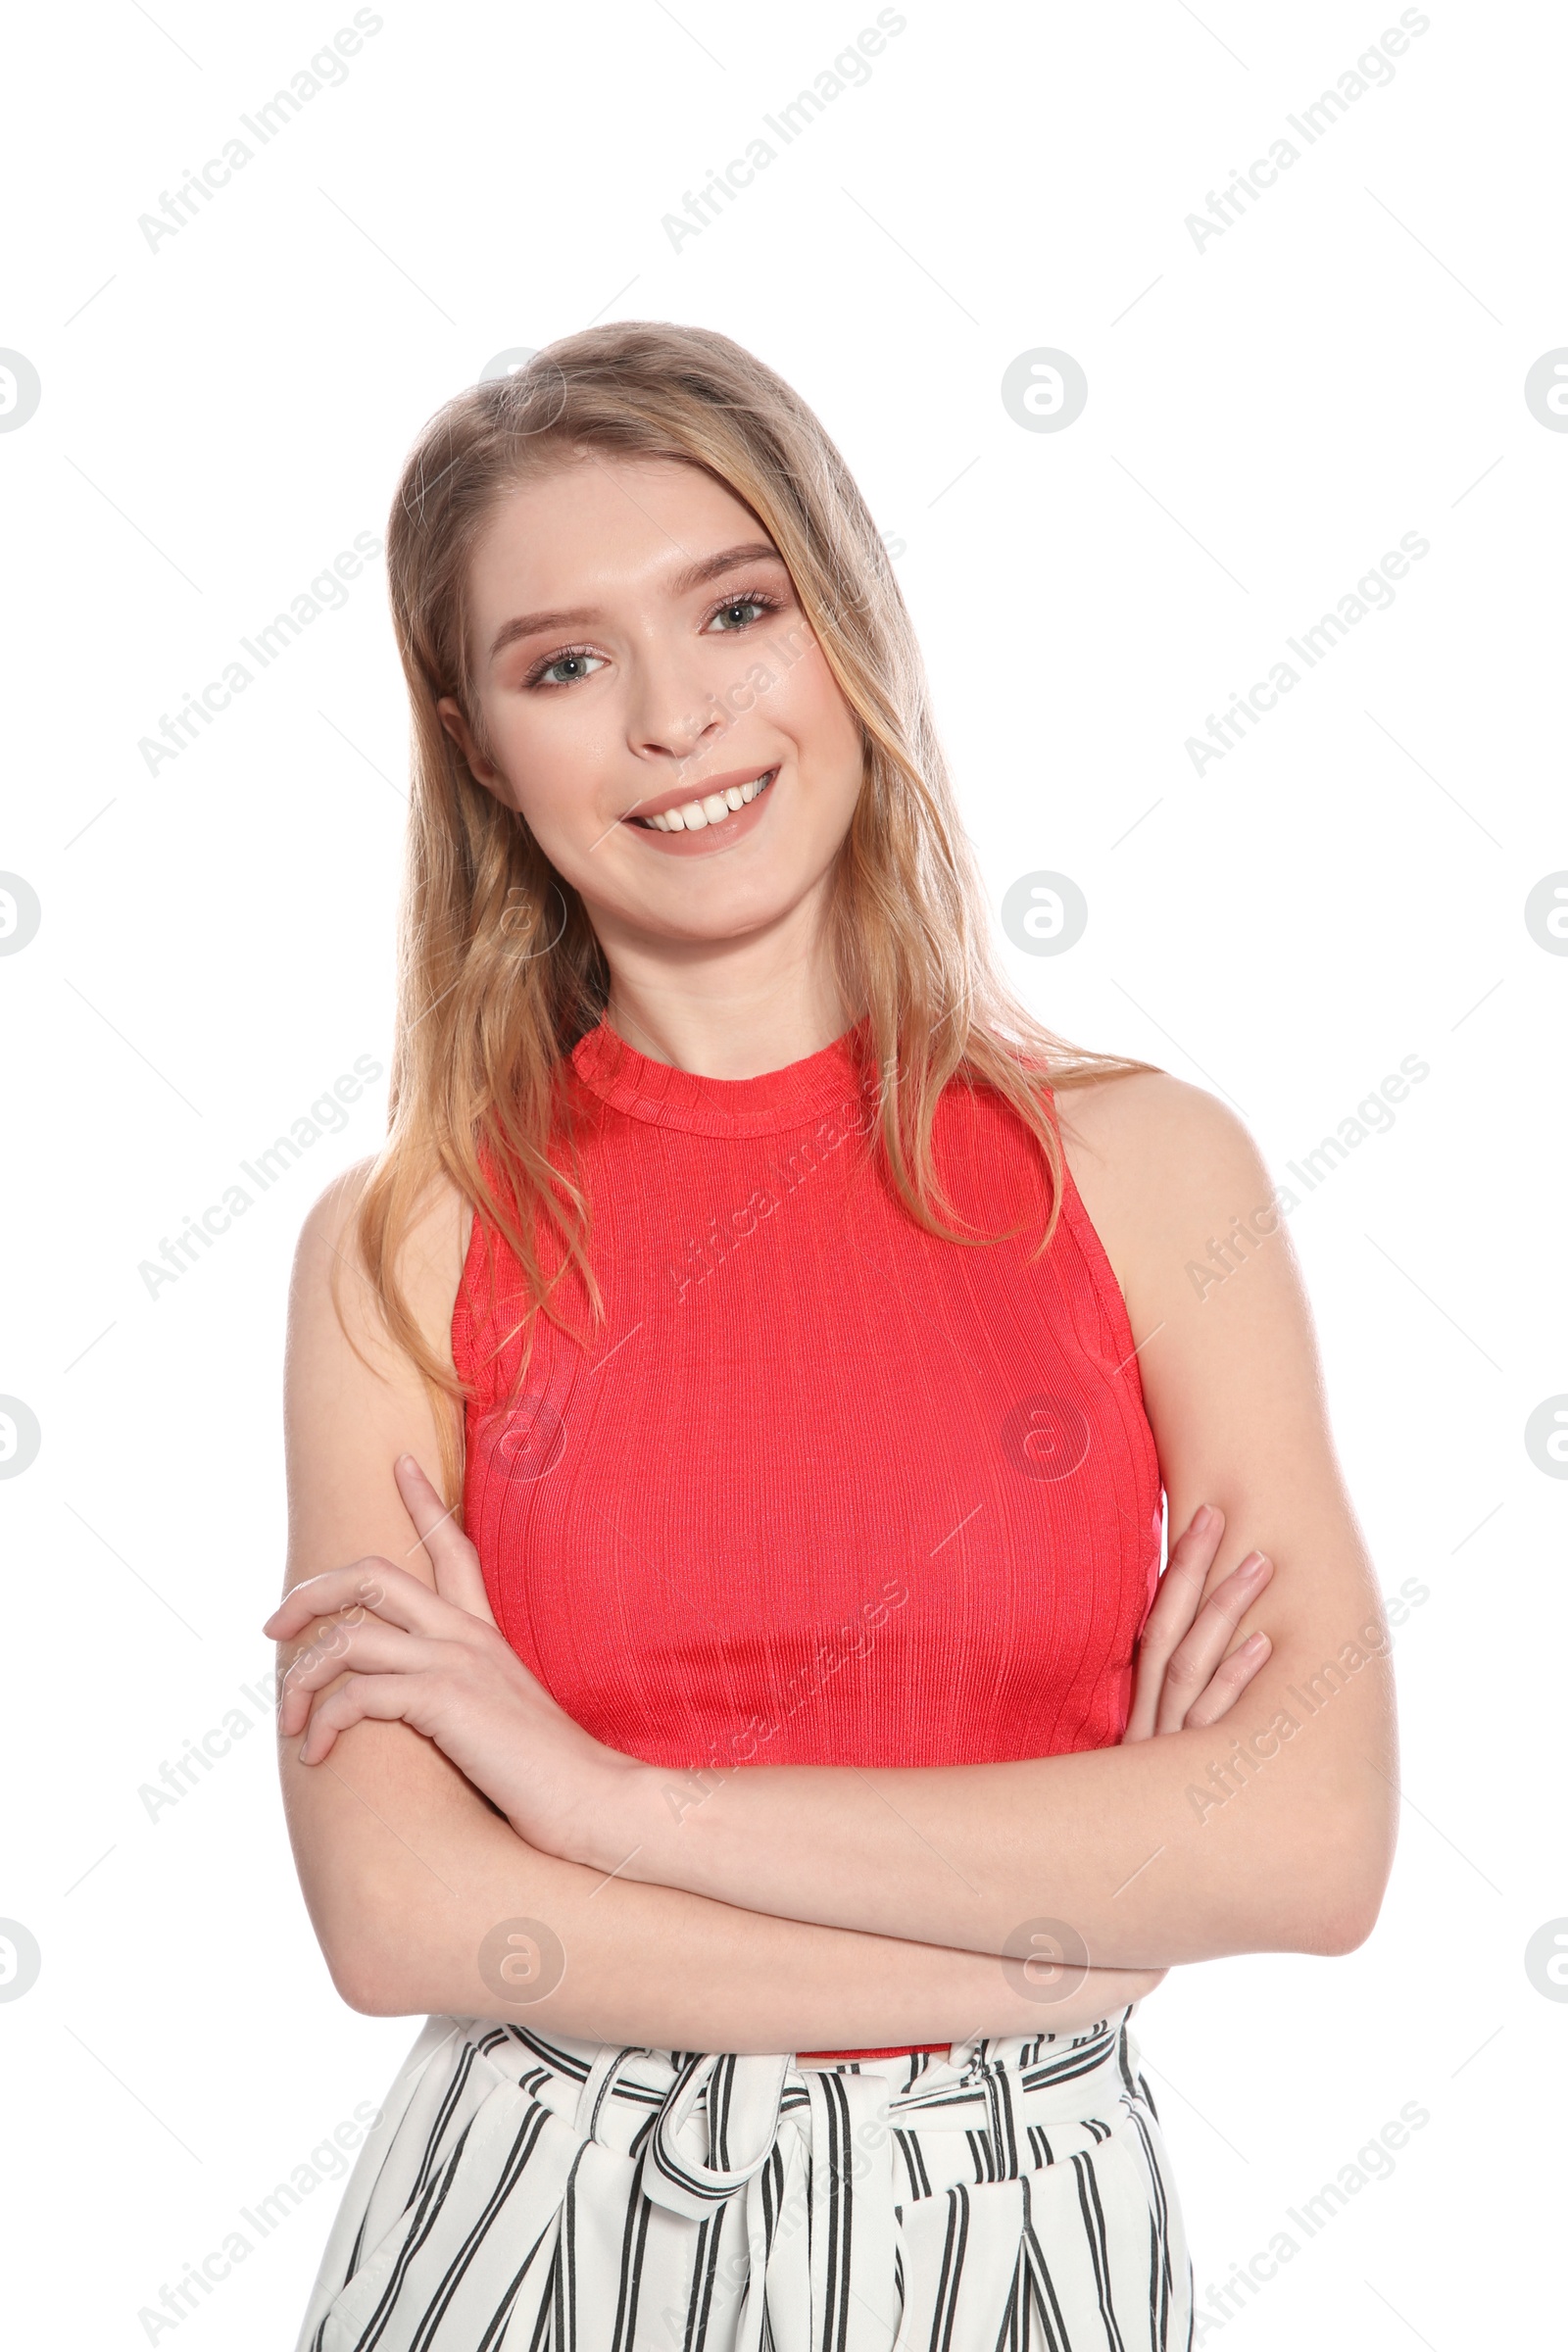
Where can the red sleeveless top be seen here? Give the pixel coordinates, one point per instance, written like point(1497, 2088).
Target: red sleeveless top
point(821, 1488)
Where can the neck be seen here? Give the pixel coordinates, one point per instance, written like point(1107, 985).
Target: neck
point(729, 1009)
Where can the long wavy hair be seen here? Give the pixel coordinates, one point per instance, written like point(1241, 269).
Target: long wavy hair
point(500, 971)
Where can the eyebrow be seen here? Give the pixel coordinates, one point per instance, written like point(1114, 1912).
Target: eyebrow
point(707, 567)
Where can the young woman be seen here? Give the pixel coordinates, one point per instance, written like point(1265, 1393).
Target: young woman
point(726, 1432)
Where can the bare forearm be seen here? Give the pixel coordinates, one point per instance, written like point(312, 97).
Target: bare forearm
point(412, 1915)
point(1169, 1850)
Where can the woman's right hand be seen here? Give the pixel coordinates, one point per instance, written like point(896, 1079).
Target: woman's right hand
point(1187, 1675)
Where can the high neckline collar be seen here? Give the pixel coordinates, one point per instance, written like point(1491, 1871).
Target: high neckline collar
point(794, 1097)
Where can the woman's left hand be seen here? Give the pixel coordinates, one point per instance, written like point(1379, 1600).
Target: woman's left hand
point(1188, 1676)
point(438, 1662)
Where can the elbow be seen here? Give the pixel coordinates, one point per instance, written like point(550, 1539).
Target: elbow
point(1337, 1856)
point(1338, 1906)
point(361, 1965)
point(1341, 1929)
point(366, 1994)
point(361, 1985)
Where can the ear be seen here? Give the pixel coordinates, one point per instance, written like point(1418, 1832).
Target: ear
point(450, 713)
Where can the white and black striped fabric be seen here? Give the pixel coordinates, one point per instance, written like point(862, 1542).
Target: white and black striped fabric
point(543, 2194)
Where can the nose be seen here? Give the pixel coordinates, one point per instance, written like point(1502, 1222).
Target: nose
point(674, 714)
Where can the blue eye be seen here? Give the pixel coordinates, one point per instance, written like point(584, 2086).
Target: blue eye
point(752, 606)
point(575, 662)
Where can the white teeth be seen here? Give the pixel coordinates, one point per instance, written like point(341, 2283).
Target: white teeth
point(693, 815)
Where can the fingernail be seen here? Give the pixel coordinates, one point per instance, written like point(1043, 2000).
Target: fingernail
point(1253, 1565)
point(1203, 1518)
point(301, 1750)
point(405, 1462)
point(1253, 1644)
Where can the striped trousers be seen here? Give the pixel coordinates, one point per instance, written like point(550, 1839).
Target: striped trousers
point(543, 2194)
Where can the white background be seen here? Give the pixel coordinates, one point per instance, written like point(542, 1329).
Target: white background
point(1266, 416)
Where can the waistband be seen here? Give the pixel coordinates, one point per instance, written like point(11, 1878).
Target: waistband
point(716, 2116)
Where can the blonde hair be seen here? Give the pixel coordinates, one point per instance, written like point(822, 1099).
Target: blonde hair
point(500, 972)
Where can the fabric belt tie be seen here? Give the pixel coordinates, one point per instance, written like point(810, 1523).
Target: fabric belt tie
point(795, 2224)
point(744, 2097)
point(519, 2192)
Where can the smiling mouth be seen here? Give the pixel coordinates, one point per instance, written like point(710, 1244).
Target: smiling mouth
point(693, 815)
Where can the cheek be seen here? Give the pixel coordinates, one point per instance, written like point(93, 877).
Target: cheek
point(552, 756)
point(807, 705)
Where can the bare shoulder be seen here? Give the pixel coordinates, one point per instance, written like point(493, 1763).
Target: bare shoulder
point(354, 1395)
point(428, 1263)
point(1156, 1159)
point(354, 1402)
point(1227, 1359)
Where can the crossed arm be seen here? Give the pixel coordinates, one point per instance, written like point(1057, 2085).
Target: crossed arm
point(817, 1906)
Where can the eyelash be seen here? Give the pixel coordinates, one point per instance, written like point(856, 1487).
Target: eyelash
point(760, 597)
